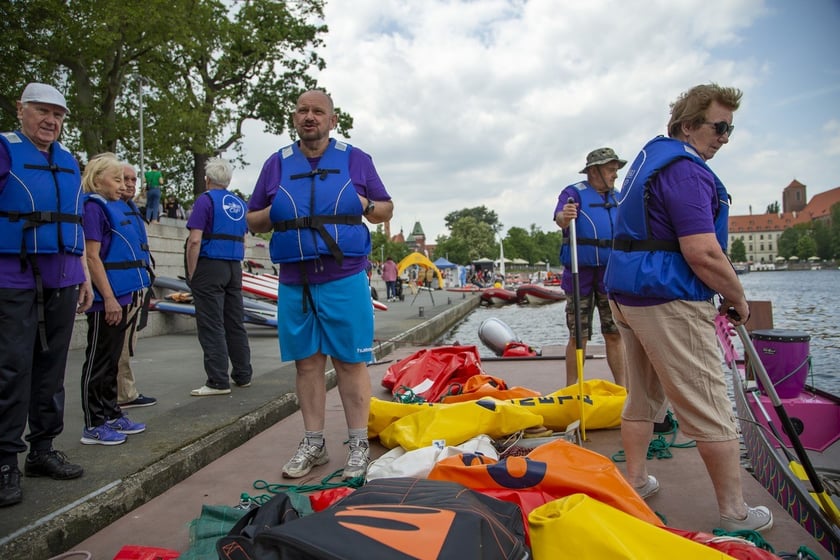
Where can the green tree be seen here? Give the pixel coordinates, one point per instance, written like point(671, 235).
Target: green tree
point(738, 251)
point(821, 234)
point(382, 247)
point(479, 213)
point(789, 240)
point(835, 231)
point(519, 245)
point(86, 49)
point(773, 208)
point(469, 240)
point(806, 246)
point(250, 62)
point(206, 68)
point(546, 245)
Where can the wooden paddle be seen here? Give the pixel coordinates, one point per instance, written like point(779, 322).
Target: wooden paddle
point(804, 463)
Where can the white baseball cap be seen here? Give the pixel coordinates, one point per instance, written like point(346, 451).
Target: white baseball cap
point(43, 93)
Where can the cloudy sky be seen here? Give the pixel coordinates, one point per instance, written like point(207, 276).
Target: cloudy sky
point(497, 102)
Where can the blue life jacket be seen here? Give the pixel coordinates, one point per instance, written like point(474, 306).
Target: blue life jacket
point(593, 227)
point(126, 263)
point(41, 204)
point(655, 268)
point(226, 242)
point(317, 211)
point(138, 221)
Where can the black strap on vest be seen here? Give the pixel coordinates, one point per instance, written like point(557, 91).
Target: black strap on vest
point(316, 223)
point(39, 297)
point(125, 265)
point(632, 245)
point(147, 301)
point(224, 236)
point(307, 292)
point(602, 243)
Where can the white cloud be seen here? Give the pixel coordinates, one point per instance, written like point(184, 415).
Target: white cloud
point(463, 103)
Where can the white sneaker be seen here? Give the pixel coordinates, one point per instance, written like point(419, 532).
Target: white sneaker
point(758, 518)
point(357, 461)
point(205, 391)
point(306, 457)
point(649, 488)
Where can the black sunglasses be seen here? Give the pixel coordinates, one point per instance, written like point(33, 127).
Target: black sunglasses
point(722, 127)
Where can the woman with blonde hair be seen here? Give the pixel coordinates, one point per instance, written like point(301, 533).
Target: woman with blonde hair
point(117, 261)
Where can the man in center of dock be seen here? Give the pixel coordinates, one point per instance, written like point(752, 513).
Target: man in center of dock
point(321, 246)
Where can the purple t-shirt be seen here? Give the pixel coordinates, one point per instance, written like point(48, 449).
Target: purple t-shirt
point(367, 183)
point(683, 201)
point(98, 228)
point(57, 271)
point(588, 276)
point(202, 215)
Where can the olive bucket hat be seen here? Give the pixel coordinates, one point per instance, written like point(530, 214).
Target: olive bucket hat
point(602, 156)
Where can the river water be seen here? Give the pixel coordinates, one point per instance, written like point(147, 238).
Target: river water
point(805, 300)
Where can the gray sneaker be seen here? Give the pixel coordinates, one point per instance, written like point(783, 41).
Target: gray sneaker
point(357, 461)
point(758, 519)
point(306, 457)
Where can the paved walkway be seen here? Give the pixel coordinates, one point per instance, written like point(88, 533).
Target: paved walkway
point(184, 433)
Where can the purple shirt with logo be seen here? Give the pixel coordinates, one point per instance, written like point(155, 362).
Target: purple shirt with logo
point(57, 271)
point(367, 183)
point(683, 201)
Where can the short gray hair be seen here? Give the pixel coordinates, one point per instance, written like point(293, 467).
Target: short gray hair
point(219, 171)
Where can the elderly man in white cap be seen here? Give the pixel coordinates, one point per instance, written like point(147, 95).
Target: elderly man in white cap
point(43, 283)
point(592, 203)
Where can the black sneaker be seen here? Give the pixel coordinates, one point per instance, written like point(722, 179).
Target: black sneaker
point(141, 400)
point(53, 464)
point(10, 492)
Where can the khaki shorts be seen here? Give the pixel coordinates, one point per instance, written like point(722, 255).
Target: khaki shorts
point(672, 355)
point(587, 311)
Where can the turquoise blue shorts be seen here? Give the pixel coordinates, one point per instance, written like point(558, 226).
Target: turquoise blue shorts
point(341, 325)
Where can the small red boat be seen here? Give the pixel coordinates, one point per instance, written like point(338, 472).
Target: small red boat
point(498, 296)
point(538, 295)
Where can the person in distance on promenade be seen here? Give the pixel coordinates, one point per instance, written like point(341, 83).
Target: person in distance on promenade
point(43, 283)
point(154, 185)
point(214, 253)
point(119, 269)
point(321, 245)
point(592, 203)
point(668, 262)
point(389, 275)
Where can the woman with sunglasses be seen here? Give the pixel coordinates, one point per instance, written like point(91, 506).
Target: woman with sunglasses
point(668, 262)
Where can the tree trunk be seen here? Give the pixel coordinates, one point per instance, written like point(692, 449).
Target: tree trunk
point(199, 184)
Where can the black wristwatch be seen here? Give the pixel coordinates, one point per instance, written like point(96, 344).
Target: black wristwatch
point(370, 206)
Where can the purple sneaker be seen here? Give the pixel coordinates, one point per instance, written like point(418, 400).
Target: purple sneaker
point(124, 425)
point(102, 435)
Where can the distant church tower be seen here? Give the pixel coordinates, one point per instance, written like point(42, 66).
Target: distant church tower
point(794, 197)
point(417, 239)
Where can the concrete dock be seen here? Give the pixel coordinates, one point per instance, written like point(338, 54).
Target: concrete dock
point(184, 433)
point(685, 500)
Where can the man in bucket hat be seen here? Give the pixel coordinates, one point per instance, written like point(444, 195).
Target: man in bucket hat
point(43, 283)
point(594, 202)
